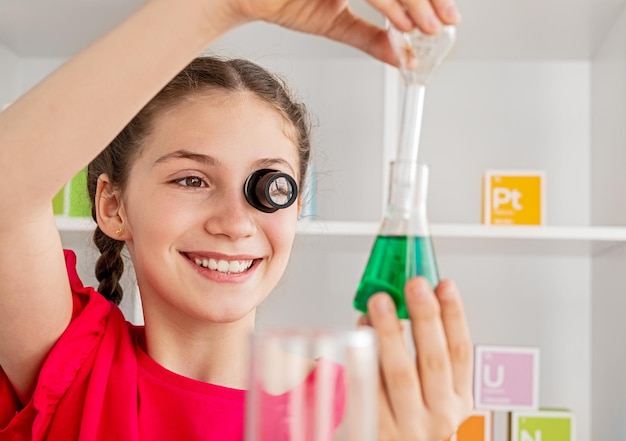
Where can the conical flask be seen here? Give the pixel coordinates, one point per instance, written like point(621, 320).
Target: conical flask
point(403, 247)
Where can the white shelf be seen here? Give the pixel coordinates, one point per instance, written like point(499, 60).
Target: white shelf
point(476, 238)
point(595, 233)
point(609, 234)
point(75, 224)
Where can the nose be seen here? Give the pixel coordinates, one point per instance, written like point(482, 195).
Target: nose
point(231, 216)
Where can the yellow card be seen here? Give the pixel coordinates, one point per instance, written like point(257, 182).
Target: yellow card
point(513, 197)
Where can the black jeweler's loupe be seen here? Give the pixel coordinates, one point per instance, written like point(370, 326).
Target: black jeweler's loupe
point(269, 190)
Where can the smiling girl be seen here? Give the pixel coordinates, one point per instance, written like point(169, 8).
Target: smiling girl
point(183, 136)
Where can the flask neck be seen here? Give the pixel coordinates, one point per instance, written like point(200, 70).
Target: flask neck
point(408, 192)
point(411, 127)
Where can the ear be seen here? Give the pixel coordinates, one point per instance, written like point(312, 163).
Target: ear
point(110, 210)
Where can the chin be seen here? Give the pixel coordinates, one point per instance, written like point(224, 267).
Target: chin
point(223, 315)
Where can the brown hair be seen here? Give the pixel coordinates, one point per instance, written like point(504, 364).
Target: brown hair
point(202, 74)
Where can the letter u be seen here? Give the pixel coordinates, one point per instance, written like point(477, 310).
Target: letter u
point(487, 377)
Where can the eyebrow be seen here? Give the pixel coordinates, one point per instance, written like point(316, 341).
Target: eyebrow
point(270, 162)
point(186, 154)
point(210, 160)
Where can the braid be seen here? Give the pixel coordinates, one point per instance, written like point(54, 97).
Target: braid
point(110, 266)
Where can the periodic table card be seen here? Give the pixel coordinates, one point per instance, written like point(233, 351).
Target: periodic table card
point(542, 425)
point(506, 378)
point(477, 427)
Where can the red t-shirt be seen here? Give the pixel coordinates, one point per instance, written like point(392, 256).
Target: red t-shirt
point(98, 384)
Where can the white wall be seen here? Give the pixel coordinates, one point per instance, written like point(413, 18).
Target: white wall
point(34, 70)
point(609, 208)
point(9, 74)
point(347, 112)
point(609, 346)
point(508, 115)
point(609, 128)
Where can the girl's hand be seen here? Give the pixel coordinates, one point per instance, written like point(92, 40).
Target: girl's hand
point(336, 20)
point(427, 397)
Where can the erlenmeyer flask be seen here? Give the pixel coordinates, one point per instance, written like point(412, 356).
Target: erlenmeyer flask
point(403, 247)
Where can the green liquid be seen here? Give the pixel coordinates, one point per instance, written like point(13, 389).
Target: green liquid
point(395, 259)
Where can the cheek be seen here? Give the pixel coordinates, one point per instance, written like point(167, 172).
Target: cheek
point(280, 229)
point(153, 216)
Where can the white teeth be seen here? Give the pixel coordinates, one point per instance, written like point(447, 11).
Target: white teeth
point(233, 267)
point(224, 266)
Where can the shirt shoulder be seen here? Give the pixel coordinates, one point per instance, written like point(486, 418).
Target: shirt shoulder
point(83, 353)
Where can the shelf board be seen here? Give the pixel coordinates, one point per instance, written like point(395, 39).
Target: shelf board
point(466, 231)
point(536, 240)
point(463, 238)
point(67, 224)
point(485, 239)
point(595, 233)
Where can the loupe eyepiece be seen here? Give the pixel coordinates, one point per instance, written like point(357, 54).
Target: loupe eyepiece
point(269, 190)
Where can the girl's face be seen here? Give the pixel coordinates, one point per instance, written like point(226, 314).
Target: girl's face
point(199, 250)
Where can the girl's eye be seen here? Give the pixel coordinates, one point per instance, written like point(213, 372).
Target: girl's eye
point(191, 181)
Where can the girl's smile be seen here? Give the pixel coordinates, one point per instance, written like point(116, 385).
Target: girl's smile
point(223, 269)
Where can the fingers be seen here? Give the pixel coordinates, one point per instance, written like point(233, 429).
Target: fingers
point(429, 397)
point(433, 360)
point(427, 15)
point(424, 15)
point(458, 335)
point(395, 11)
point(442, 340)
point(446, 11)
point(386, 420)
point(402, 385)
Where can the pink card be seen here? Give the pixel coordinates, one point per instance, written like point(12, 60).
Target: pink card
point(506, 378)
